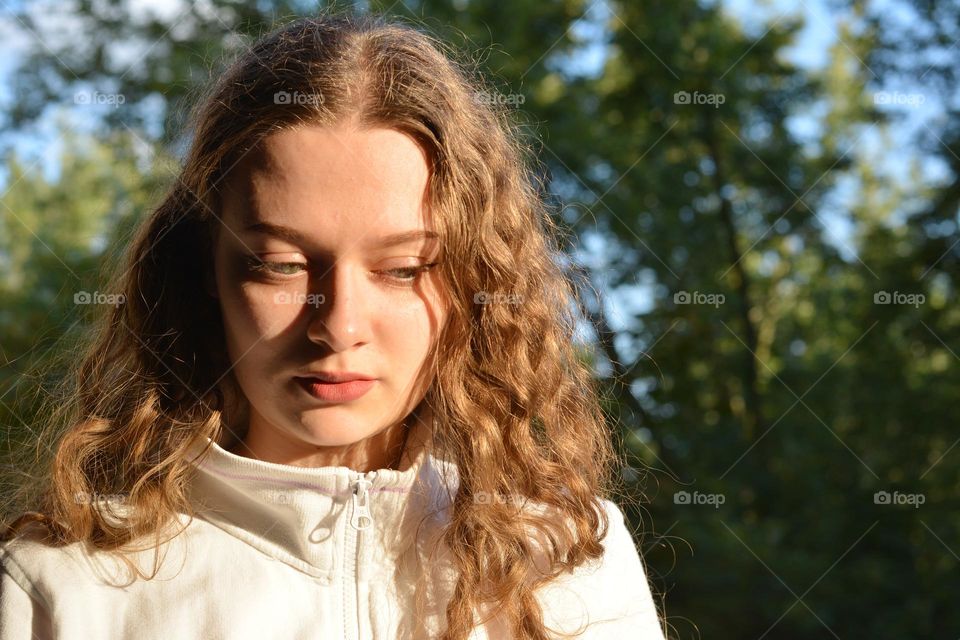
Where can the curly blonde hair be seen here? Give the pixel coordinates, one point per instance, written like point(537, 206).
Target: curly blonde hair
point(515, 406)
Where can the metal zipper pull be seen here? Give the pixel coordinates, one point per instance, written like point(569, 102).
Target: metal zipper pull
point(360, 518)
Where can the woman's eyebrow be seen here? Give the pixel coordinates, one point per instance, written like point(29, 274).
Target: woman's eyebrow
point(404, 237)
point(277, 231)
point(292, 235)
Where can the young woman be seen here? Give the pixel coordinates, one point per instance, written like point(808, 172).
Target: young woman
point(341, 398)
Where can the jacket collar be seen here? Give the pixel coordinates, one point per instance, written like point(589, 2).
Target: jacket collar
point(315, 518)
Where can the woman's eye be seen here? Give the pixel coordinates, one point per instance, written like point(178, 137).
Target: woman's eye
point(402, 275)
point(409, 274)
point(256, 265)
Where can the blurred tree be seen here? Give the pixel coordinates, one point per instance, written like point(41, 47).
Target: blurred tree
point(55, 236)
point(700, 175)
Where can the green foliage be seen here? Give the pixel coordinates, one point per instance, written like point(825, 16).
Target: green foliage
point(56, 238)
point(779, 384)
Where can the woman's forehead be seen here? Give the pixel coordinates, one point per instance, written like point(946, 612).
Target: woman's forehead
point(312, 153)
point(341, 176)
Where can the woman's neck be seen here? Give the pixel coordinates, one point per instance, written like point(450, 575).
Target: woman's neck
point(391, 448)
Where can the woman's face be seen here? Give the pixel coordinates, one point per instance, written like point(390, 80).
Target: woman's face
point(321, 265)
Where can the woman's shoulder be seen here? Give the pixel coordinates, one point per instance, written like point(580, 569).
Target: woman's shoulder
point(82, 586)
point(607, 597)
point(41, 567)
point(17, 557)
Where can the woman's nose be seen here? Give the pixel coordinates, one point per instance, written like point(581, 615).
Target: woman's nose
point(340, 320)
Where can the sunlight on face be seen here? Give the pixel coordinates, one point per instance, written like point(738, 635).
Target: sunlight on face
point(322, 265)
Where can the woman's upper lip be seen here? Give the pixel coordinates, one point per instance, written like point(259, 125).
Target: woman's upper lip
point(336, 376)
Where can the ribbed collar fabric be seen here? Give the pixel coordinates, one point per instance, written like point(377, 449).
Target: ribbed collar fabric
point(308, 517)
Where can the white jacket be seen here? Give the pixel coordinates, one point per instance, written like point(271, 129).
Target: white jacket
point(290, 553)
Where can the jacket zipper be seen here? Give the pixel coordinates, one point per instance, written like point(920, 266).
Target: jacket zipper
point(360, 519)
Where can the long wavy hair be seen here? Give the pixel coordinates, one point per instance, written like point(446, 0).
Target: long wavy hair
point(516, 407)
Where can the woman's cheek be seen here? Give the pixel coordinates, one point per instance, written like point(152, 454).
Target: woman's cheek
point(411, 333)
point(254, 315)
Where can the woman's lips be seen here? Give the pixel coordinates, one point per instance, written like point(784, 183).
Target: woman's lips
point(335, 391)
